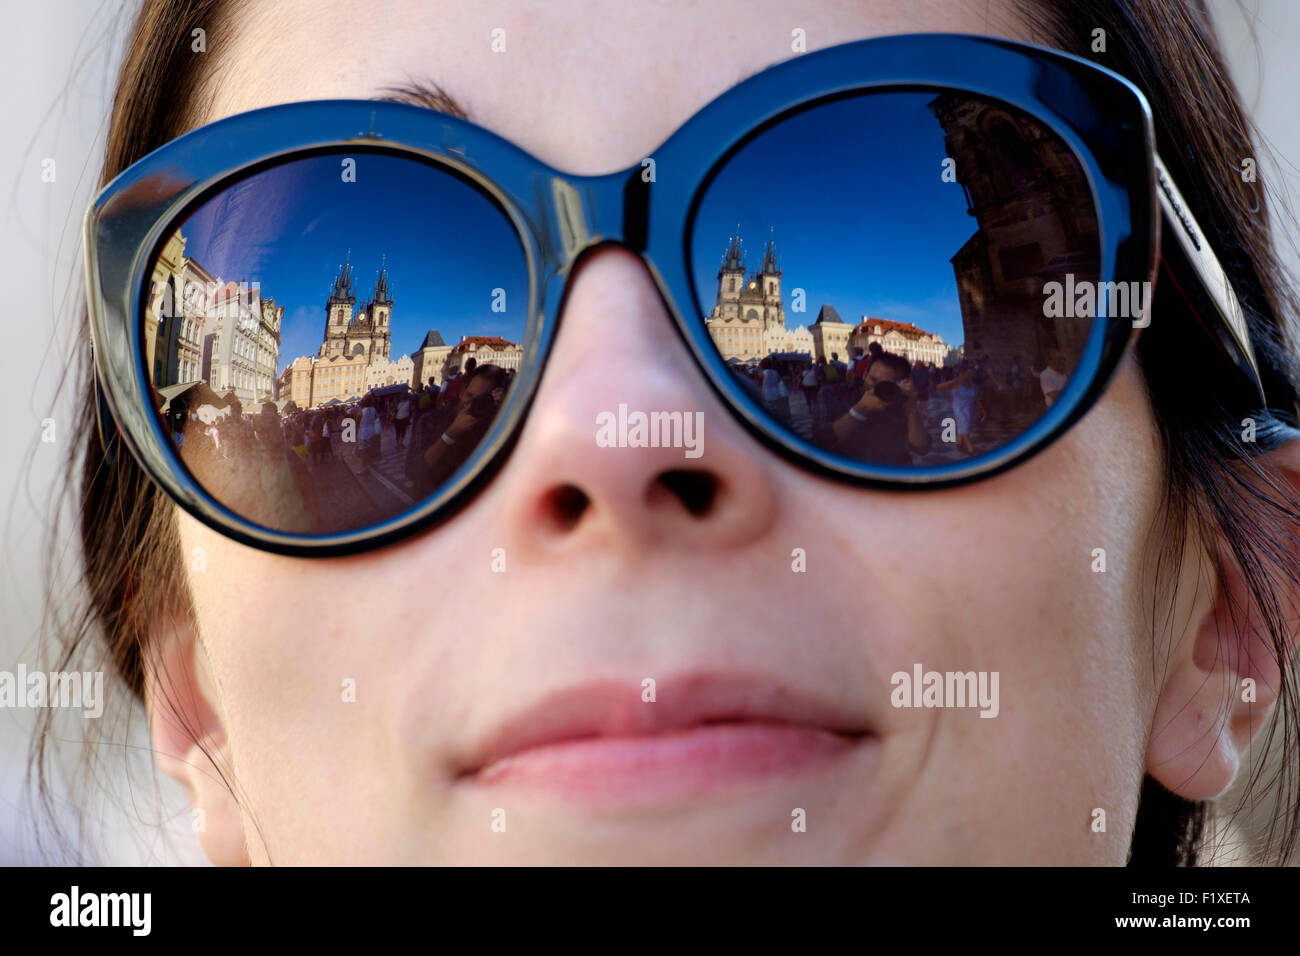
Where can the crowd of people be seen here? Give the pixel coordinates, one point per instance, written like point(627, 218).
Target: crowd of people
point(282, 468)
point(882, 408)
point(877, 407)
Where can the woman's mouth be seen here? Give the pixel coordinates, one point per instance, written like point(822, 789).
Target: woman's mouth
point(610, 744)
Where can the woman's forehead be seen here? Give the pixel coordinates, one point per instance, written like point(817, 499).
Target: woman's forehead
point(586, 86)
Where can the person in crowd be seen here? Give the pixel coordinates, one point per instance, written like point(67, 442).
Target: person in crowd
point(854, 360)
point(884, 427)
point(809, 382)
point(369, 432)
point(840, 368)
point(775, 395)
point(402, 418)
point(874, 351)
point(1016, 379)
point(966, 402)
point(1053, 378)
point(443, 439)
point(451, 389)
point(922, 382)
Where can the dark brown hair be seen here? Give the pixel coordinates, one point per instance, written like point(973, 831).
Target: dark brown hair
point(133, 571)
point(1217, 484)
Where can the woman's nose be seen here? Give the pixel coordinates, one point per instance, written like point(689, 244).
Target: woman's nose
point(626, 447)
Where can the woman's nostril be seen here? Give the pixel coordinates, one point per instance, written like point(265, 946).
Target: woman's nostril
point(568, 504)
point(696, 490)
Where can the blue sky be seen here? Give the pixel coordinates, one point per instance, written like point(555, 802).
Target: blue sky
point(852, 189)
point(861, 216)
point(290, 227)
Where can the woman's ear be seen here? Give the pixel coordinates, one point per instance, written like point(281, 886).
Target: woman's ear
point(1224, 678)
point(190, 740)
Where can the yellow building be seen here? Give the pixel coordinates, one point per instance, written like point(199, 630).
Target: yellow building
point(296, 381)
point(429, 360)
point(830, 335)
point(342, 377)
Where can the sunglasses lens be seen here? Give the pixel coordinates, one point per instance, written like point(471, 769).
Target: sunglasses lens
point(950, 240)
point(330, 338)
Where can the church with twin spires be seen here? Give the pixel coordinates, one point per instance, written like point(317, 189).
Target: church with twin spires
point(355, 352)
point(748, 318)
point(367, 334)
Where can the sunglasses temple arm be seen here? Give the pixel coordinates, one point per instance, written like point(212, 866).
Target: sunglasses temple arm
point(105, 424)
point(1199, 278)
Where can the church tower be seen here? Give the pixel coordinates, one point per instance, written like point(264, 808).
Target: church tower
point(381, 310)
point(731, 281)
point(748, 319)
point(338, 312)
point(770, 279)
point(1020, 181)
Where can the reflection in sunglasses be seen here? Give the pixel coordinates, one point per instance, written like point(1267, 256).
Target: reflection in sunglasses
point(878, 222)
point(352, 433)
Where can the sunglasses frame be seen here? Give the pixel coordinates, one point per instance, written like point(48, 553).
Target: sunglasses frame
point(560, 218)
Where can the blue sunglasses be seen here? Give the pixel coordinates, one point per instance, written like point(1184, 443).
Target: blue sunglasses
point(987, 214)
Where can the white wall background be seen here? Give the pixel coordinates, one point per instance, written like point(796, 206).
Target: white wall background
point(57, 69)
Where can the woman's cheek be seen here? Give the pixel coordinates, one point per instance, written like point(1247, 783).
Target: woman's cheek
point(1034, 576)
point(292, 651)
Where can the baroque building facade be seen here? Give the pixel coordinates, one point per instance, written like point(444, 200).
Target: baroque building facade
point(903, 338)
point(241, 343)
point(485, 350)
point(201, 328)
point(184, 342)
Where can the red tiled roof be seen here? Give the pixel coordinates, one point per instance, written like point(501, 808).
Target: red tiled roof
point(888, 325)
point(494, 342)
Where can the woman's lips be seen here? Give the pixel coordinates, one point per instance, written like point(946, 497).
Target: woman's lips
point(653, 767)
point(604, 743)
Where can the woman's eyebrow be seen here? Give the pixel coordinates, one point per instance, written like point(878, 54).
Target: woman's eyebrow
point(425, 94)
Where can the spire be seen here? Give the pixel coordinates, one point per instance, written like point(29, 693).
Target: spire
point(343, 282)
point(769, 257)
point(734, 257)
point(381, 287)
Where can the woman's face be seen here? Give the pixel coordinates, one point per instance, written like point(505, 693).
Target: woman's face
point(355, 697)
